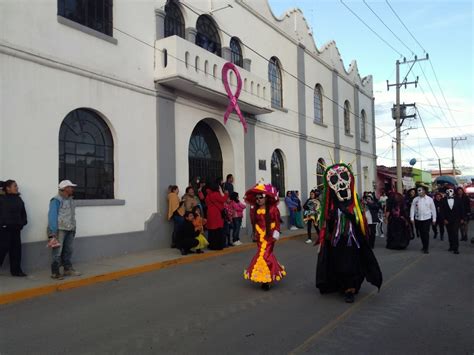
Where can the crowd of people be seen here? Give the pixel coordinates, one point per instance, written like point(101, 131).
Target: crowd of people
point(215, 209)
point(413, 214)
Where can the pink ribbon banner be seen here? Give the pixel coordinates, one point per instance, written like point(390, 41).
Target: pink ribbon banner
point(233, 105)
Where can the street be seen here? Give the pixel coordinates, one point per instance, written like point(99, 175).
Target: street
point(424, 307)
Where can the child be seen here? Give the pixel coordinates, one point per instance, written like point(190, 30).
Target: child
point(187, 236)
point(227, 215)
point(238, 213)
point(199, 224)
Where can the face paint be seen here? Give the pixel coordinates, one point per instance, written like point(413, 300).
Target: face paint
point(339, 180)
point(450, 193)
point(421, 191)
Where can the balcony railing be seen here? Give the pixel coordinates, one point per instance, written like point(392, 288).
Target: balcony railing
point(187, 67)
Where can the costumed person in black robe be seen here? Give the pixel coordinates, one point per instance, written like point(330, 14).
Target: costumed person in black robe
point(345, 258)
point(398, 227)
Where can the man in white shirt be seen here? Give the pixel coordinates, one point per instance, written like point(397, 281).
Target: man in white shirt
point(422, 214)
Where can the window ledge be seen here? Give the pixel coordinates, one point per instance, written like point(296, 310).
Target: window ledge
point(320, 124)
point(77, 26)
point(349, 135)
point(282, 109)
point(111, 202)
point(364, 140)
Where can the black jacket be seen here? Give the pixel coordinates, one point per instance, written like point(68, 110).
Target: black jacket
point(186, 233)
point(12, 211)
point(452, 215)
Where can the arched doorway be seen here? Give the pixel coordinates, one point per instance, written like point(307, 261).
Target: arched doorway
point(204, 154)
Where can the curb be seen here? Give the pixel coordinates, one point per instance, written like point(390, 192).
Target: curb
point(115, 275)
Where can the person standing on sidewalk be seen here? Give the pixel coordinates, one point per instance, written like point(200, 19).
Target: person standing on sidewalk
point(452, 215)
point(12, 220)
point(62, 227)
point(422, 214)
point(238, 214)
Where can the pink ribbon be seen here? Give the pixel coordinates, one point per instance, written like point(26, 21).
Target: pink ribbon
point(233, 105)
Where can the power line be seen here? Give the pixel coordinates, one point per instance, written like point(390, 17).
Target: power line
point(393, 33)
point(441, 107)
point(399, 19)
point(366, 25)
point(426, 133)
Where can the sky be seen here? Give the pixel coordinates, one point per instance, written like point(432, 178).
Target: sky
point(445, 30)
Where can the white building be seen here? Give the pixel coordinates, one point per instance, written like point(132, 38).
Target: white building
point(126, 97)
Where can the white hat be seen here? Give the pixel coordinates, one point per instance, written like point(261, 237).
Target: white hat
point(65, 183)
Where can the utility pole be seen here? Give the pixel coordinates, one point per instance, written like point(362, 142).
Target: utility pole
point(439, 165)
point(453, 144)
point(398, 117)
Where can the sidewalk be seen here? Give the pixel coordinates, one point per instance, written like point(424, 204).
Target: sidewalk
point(39, 283)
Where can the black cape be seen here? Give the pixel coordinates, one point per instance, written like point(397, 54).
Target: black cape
point(341, 267)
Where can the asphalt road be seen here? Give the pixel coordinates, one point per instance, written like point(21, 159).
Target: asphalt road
point(425, 307)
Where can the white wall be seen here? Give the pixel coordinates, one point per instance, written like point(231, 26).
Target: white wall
point(35, 101)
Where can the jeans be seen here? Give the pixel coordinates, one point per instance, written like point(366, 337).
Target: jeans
point(62, 255)
point(236, 225)
point(292, 219)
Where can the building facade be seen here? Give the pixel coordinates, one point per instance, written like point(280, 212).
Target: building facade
point(125, 98)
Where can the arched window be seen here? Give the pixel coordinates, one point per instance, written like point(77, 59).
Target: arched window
point(236, 52)
point(347, 121)
point(207, 35)
point(318, 104)
point(278, 172)
point(363, 125)
point(274, 76)
point(320, 168)
point(86, 154)
point(204, 154)
point(174, 20)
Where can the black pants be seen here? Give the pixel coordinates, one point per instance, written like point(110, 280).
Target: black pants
point(439, 224)
point(310, 227)
point(424, 228)
point(10, 243)
point(452, 229)
point(216, 239)
point(372, 232)
point(188, 244)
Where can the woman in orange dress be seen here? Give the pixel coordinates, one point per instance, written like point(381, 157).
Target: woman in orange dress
point(265, 218)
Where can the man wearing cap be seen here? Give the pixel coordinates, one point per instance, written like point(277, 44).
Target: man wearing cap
point(62, 226)
point(422, 214)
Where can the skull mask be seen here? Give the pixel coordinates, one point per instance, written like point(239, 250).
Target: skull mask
point(339, 179)
point(450, 193)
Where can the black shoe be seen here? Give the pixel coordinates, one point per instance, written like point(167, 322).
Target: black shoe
point(19, 274)
point(349, 297)
point(184, 252)
point(426, 251)
point(456, 252)
point(441, 238)
point(199, 251)
point(266, 286)
point(464, 239)
point(434, 237)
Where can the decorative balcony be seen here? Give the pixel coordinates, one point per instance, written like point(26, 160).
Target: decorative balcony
point(184, 66)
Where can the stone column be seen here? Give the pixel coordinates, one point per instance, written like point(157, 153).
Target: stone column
point(247, 63)
point(191, 34)
point(226, 54)
point(357, 138)
point(301, 90)
point(160, 23)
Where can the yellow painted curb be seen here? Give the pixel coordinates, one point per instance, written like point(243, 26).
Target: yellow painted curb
point(114, 275)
